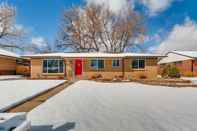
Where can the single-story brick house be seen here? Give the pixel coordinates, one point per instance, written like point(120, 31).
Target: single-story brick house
point(13, 64)
point(185, 61)
point(89, 65)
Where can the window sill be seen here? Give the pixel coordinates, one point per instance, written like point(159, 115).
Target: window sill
point(116, 67)
point(52, 74)
point(138, 69)
point(97, 69)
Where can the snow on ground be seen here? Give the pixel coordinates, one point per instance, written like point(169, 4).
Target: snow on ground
point(92, 106)
point(192, 79)
point(15, 91)
point(10, 77)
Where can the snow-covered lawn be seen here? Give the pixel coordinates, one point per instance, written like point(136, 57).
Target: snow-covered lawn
point(9, 77)
point(192, 79)
point(15, 91)
point(92, 106)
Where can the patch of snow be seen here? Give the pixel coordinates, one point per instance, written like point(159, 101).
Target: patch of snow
point(14, 120)
point(192, 79)
point(25, 126)
point(93, 106)
point(16, 91)
point(192, 54)
point(10, 77)
point(172, 57)
point(111, 55)
point(176, 56)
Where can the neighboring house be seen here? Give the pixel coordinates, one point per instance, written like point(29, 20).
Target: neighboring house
point(185, 61)
point(12, 64)
point(91, 65)
point(8, 62)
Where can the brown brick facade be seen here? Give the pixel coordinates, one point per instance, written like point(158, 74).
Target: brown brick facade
point(109, 72)
point(150, 70)
point(195, 67)
point(186, 68)
point(37, 71)
point(7, 66)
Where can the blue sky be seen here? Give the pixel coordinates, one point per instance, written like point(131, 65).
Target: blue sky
point(42, 17)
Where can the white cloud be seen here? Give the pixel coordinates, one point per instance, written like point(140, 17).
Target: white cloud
point(152, 49)
point(156, 6)
point(114, 5)
point(154, 38)
point(182, 37)
point(19, 27)
point(38, 42)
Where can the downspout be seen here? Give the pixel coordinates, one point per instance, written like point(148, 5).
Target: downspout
point(123, 68)
point(73, 69)
point(65, 73)
point(192, 68)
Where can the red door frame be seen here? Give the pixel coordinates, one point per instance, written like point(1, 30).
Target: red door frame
point(78, 67)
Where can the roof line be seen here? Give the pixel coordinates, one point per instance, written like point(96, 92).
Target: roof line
point(9, 56)
point(180, 54)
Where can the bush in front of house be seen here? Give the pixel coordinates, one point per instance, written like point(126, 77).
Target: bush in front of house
point(189, 74)
point(143, 77)
point(171, 71)
point(174, 72)
point(165, 71)
point(118, 78)
point(96, 77)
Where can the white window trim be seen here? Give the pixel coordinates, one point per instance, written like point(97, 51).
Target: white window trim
point(138, 64)
point(119, 63)
point(58, 66)
point(97, 68)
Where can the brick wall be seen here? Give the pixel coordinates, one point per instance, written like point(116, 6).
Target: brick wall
point(195, 67)
point(149, 72)
point(108, 72)
point(7, 66)
point(37, 71)
point(185, 67)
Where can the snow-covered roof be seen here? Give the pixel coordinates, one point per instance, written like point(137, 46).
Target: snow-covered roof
point(8, 53)
point(176, 56)
point(109, 55)
point(192, 54)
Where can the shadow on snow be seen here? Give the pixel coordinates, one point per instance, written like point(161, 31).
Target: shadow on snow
point(66, 127)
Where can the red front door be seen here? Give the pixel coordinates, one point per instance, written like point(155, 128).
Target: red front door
point(78, 67)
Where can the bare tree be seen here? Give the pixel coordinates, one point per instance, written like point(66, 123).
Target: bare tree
point(35, 47)
point(97, 29)
point(45, 48)
point(8, 30)
point(14, 36)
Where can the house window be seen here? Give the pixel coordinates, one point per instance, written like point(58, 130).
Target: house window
point(138, 64)
point(53, 66)
point(97, 64)
point(178, 62)
point(116, 63)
